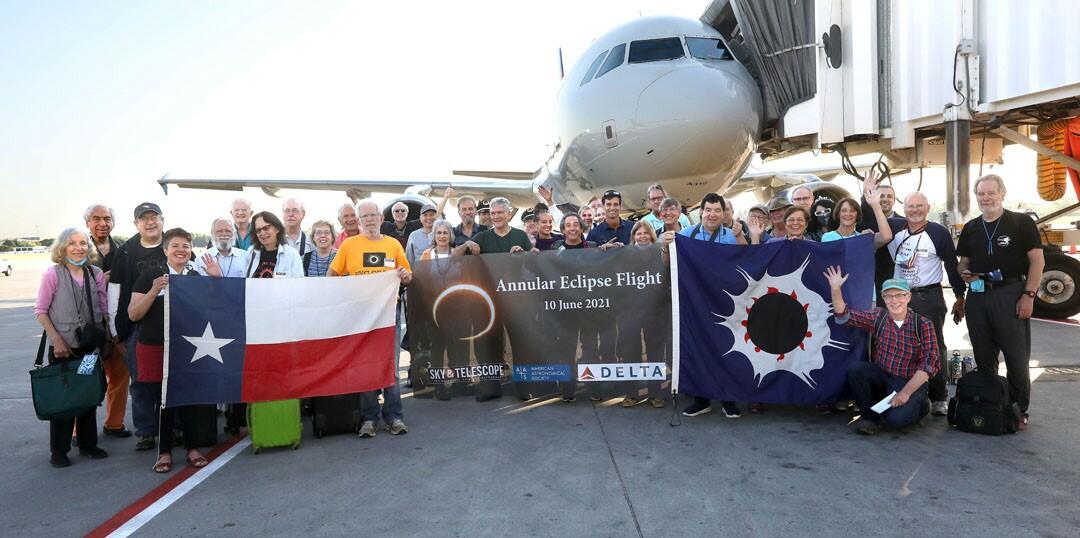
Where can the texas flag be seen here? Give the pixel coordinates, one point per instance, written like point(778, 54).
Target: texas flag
point(251, 340)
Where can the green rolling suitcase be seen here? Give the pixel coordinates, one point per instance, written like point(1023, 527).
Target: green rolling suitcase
point(273, 424)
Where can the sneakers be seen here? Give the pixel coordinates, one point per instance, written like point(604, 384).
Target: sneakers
point(842, 406)
point(939, 409)
point(1023, 423)
point(730, 410)
point(146, 442)
point(596, 398)
point(658, 403)
point(59, 461)
point(631, 401)
point(367, 429)
point(119, 432)
point(569, 399)
point(867, 427)
point(93, 453)
point(397, 427)
point(699, 407)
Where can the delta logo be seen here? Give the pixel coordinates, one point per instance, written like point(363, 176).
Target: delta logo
point(645, 371)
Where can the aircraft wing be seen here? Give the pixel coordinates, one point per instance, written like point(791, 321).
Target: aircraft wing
point(519, 192)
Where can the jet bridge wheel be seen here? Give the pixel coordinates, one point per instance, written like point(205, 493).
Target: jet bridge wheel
point(1058, 296)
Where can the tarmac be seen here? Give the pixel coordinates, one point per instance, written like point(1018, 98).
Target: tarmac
point(545, 468)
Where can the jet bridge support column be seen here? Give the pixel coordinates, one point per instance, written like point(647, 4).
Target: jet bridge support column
point(958, 115)
point(957, 165)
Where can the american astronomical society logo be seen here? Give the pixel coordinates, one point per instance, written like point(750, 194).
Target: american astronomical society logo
point(645, 371)
point(480, 371)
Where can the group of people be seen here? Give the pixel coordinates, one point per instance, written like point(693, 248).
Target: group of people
point(994, 271)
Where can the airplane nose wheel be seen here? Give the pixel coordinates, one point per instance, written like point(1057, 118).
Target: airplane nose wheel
point(1057, 294)
point(1057, 287)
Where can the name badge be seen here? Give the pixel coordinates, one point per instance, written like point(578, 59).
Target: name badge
point(86, 367)
point(390, 263)
point(279, 275)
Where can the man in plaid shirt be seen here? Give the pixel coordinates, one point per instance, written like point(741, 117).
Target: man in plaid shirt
point(905, 357)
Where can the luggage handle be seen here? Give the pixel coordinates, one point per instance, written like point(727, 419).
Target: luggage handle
point(38, 359)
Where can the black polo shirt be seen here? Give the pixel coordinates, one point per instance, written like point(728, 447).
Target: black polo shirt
point(1002, 244)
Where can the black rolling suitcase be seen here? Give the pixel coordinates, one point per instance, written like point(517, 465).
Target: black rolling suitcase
point(206, 429)
point(335, 414)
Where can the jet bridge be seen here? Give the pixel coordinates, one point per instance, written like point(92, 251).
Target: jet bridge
point(923, 82)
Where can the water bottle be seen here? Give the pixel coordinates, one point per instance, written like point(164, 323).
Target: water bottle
point(956, 364)
point(969, 364)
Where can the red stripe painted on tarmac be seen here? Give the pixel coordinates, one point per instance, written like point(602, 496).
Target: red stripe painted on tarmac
point(133, 509)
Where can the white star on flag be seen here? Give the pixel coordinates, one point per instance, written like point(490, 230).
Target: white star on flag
point(207, 345)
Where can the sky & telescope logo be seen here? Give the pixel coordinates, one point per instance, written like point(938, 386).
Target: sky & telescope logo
point(645, 371)
point(481, 372)
point(541, 372)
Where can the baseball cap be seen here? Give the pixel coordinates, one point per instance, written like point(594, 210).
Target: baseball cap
point(764, 210)
point(427, 207)
point(895, 284)
point(146, 207)
point(778, 203)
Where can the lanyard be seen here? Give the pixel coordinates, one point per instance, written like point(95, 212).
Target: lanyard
point(990, 234)
point(229, 268)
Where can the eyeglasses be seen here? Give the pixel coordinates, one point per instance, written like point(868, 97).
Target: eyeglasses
point(894, 296)
point(267, 228)
point(823, 212)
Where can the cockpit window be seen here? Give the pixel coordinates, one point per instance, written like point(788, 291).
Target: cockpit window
point(655, 50)
point(705, 48)
point(592, 68)
point(615, 59)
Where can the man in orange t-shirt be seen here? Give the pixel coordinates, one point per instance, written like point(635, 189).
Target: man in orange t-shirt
point(366, 253)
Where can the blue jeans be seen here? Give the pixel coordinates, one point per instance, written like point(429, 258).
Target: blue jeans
point(869, 383)
point(391, 407)
point(144, 411)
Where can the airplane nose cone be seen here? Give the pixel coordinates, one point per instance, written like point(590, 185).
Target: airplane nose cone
point(700, 120)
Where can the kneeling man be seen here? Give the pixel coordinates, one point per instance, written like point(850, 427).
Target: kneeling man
point(905, 356)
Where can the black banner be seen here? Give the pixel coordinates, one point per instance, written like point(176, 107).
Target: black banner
point(540, 324)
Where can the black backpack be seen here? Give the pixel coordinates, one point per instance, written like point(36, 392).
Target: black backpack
point(982, 405)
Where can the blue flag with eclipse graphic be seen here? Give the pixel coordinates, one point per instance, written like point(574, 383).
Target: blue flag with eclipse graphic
point(755, 323)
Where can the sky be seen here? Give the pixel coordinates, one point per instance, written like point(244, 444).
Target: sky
point(99, 100)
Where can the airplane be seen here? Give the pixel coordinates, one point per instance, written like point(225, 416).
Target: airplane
point(655, 100)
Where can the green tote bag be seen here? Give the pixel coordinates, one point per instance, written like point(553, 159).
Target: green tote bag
point(60, 392)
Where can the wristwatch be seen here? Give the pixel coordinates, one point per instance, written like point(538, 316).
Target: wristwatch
point(1029, 293)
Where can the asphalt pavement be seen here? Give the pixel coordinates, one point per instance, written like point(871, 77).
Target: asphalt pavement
point(545, 468)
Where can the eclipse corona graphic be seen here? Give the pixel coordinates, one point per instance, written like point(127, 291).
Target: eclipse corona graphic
point(468, 288)
point(770, 325)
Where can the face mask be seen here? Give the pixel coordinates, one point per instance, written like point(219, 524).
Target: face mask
point(823, 220)
point(79, 263)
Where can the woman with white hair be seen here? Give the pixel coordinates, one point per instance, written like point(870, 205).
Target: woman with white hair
point(72, 308)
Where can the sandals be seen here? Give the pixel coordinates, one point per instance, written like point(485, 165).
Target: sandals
point(162, 466)
point(197, 462)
